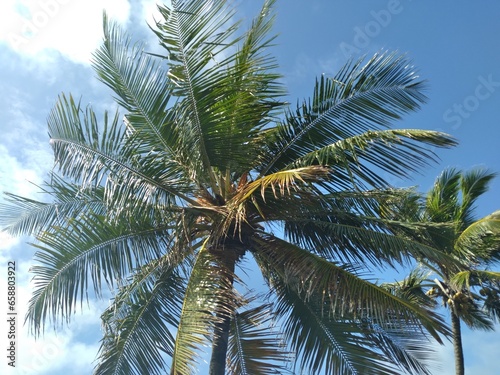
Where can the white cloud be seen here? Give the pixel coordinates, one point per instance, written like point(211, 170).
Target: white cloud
point(72, 28)
point(150, 11)
point(14, 177)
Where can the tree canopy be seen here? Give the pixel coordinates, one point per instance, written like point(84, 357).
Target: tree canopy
point(209, 166)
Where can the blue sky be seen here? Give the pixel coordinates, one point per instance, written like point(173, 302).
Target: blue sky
point(45, 47)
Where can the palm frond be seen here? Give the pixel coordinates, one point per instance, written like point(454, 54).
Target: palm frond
point(282, 182)
point(24, 216)
point(358, 99)
point(144, 90)
point(327, 341)
point(412, 287)
point(209, 290)
point(345, 291)
point(474, 316)
point(141, 86)
point(194, 33)
point(473, 184)
point(483, 238)
point(361, 158)
point(472, 278)
point(138, 325)
point(101, 155)
point(409, 350)
point(254, 347)
point(442, 203)
point(81, 149)
point(83, 255)
point(351, 238)
point(247, 97)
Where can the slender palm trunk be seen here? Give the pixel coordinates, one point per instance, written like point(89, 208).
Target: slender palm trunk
point(221, 331)
point(457, 343)
point(219, 349)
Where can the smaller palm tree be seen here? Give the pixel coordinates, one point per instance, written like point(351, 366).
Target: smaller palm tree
point(471, 291)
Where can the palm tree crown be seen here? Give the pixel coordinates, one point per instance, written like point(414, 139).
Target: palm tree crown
point(209, 167)
point(470, 291)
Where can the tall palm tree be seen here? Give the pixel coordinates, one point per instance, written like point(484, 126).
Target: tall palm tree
point(470, 292)
point(208, 168)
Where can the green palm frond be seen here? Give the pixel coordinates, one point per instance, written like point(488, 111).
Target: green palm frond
point(254, 347)
point(141, 86)
point(138, 325)
point(473, 184)
point(24, 216)
point(361, 158)
point(81, 148)
point(343, 291)
point(443, 199)
point(357, 100)
point(83, 255)
point(194, 33)
point(411, 288)
point(96, 154)
point(247, 99)
point(328, 341)
point(352, 238)
point(409, 350)
point(208, 296)
point(468, 279)
point(483, 236)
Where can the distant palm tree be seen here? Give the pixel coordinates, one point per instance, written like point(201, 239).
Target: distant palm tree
point(210, 168)
point(472, 291)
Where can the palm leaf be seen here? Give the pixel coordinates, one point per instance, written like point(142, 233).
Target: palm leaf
point(354, 238)
point(138, 324)
point(254, 348)
point(412, 288)
point(194, 33)
point(332, 343)
point(346, 292)
point(483, 236)
point(357, 100)
point(361, 158)
point(473, 184)
point(83, 254)
point(208, 290)
point(94, 155)
point(468, 279)
point(142, 87)
point(24, 216)
point(247, 98)
point(442, 203)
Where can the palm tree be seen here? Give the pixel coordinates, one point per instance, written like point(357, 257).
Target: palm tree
point(209, 168)
point(472, 291)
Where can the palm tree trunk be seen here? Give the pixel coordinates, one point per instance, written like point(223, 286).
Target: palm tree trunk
point(219, 348)
point(221, 329)
point(457, 343)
